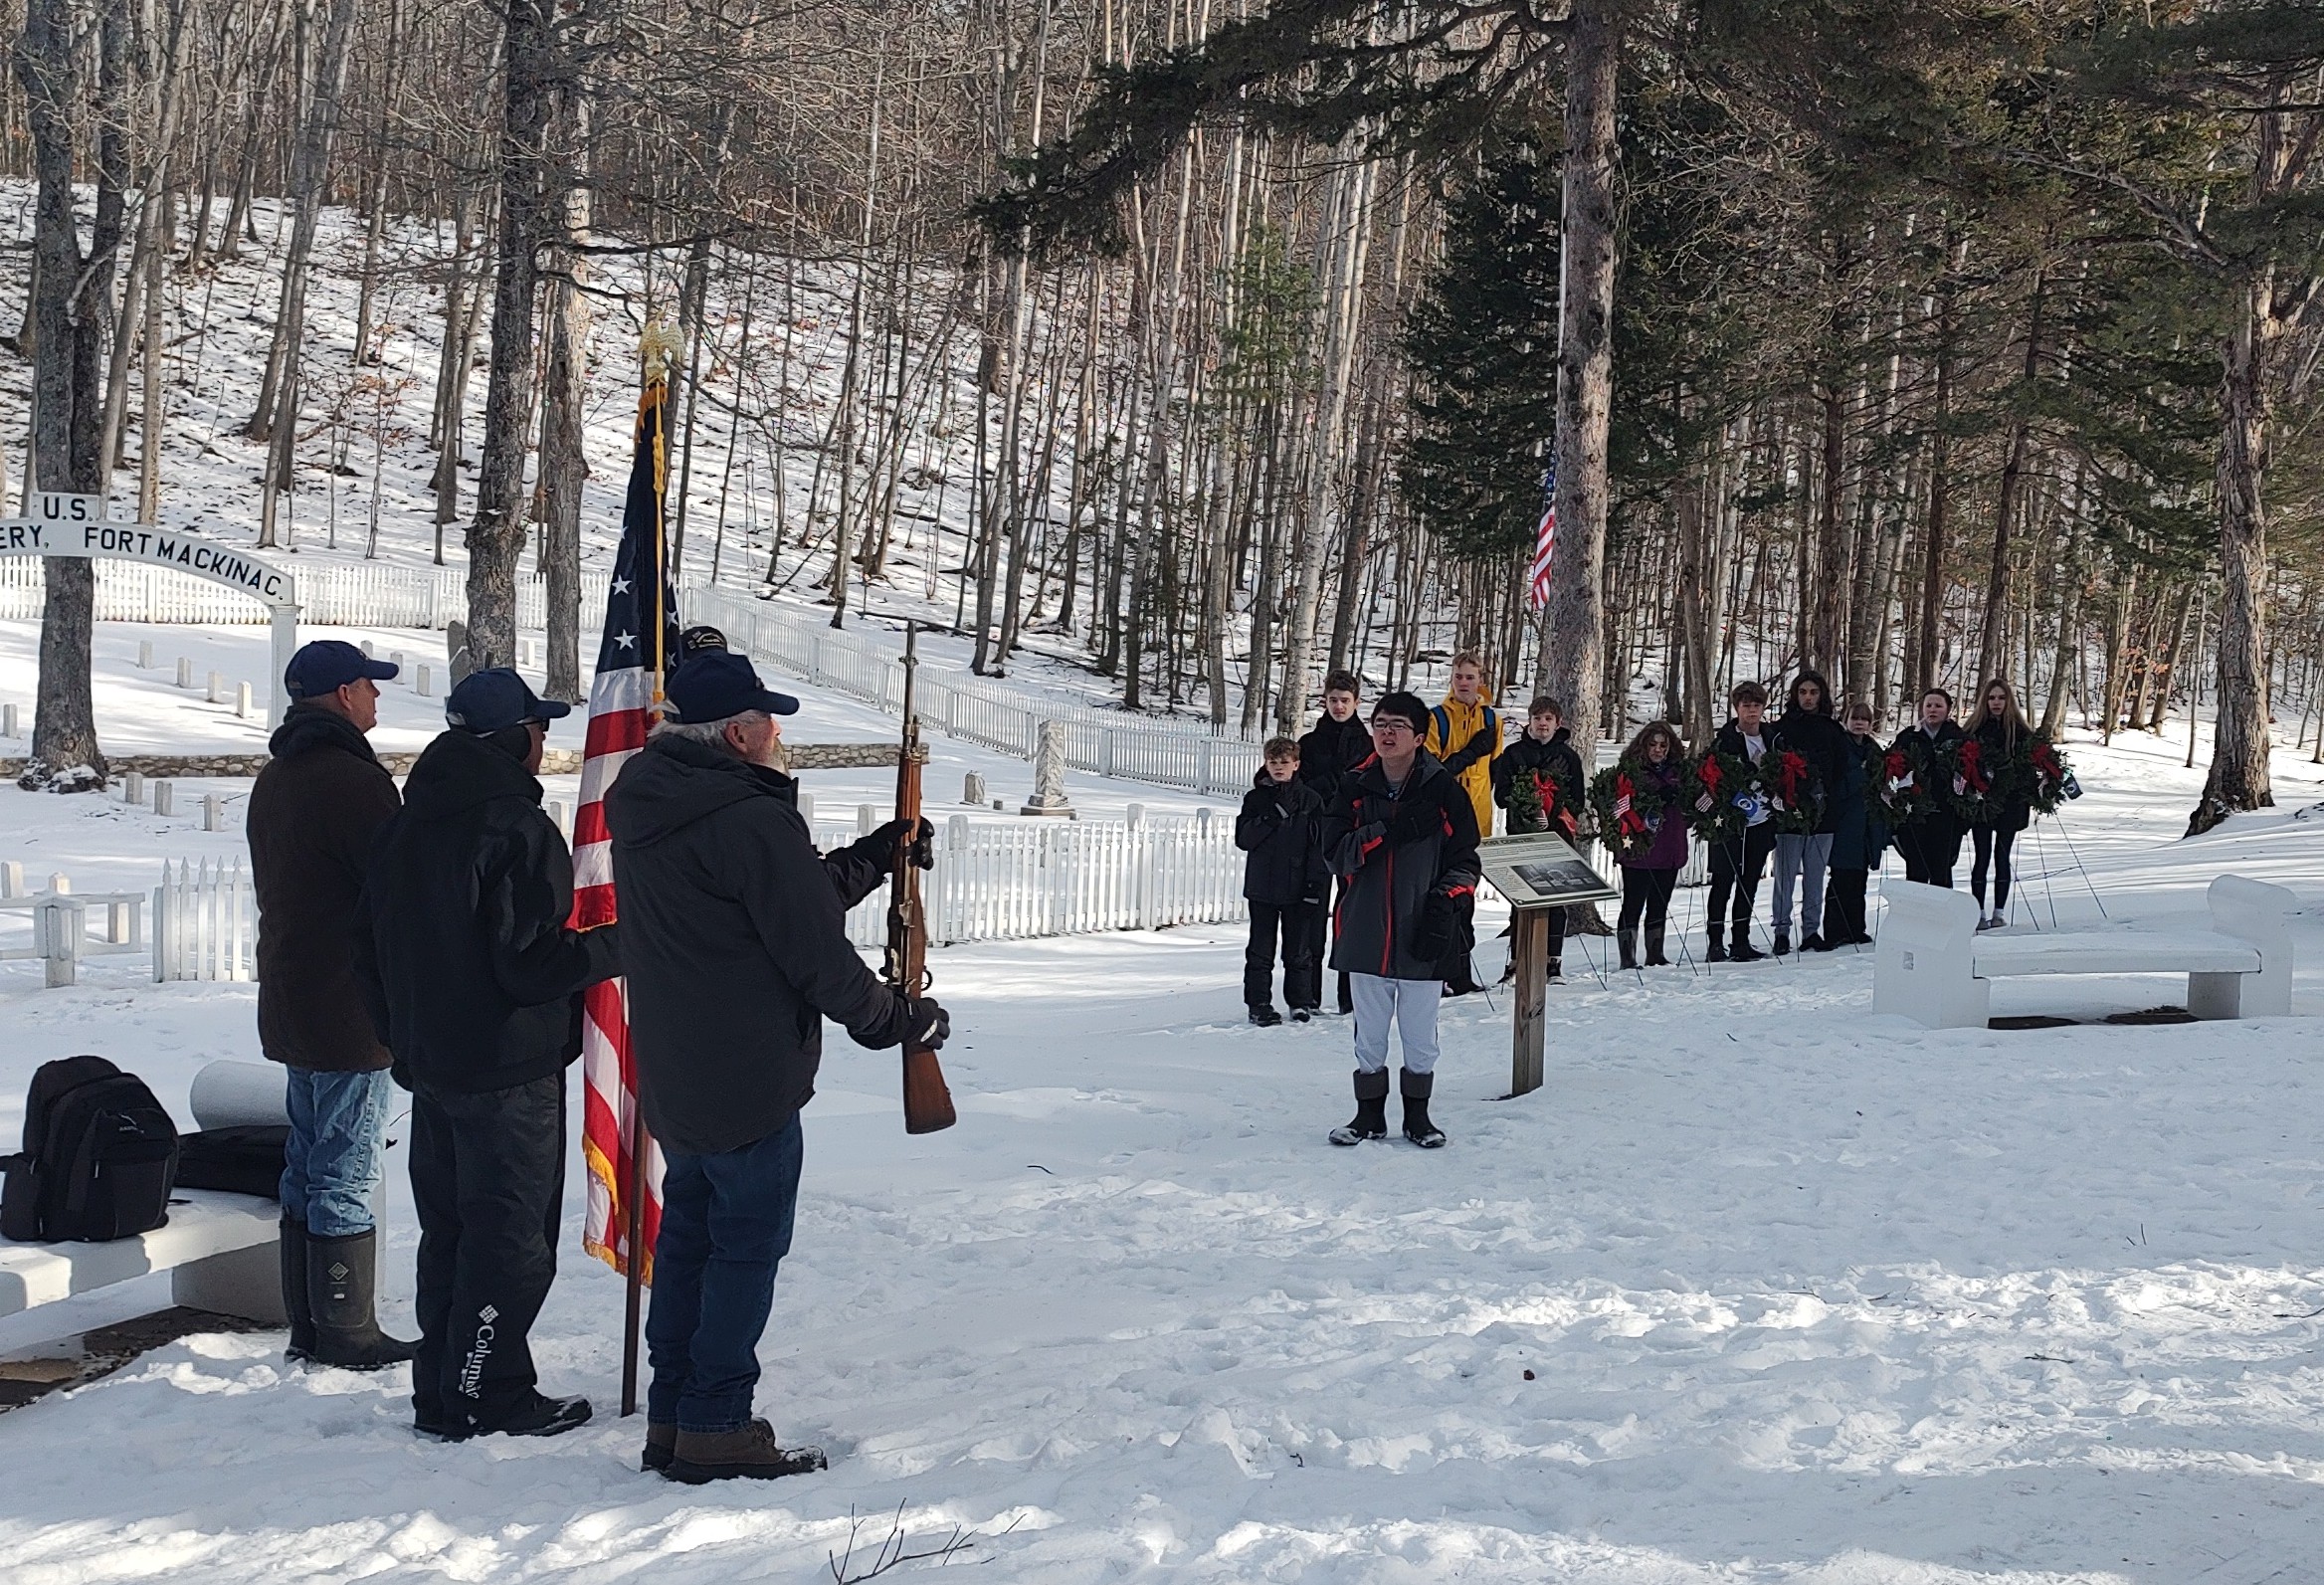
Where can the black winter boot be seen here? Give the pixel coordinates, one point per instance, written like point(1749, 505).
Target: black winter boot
point(295, 1305)
point(340, 1273)
point(1371, 1119)
point(1418, 1128)
point(1627, 941)
point(1740, 948)
point(1782, 943)
point(1655, 938)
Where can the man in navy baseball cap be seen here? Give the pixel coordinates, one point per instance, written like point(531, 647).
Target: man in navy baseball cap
point(327, 665)
point(497, 699)
point(718, 685)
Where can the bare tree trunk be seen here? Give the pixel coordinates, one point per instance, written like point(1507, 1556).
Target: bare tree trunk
point(1586, 372)
point(564, 469)
point(495, 539)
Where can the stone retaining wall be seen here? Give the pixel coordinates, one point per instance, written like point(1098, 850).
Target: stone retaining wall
point(556, 762)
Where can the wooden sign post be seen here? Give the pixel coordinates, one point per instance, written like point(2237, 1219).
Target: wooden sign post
point(1537, 872)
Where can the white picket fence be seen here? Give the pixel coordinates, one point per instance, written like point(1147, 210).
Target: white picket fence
point(994, 880)
point(205, 922)
point(797, 644)
point(333, 594)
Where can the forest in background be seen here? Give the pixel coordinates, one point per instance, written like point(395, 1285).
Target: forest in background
point(1917, 344)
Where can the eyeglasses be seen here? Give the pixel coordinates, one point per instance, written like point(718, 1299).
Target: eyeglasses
point(1391, 725)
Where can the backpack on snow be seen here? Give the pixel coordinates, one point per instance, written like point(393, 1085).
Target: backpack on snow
point(98, 1161)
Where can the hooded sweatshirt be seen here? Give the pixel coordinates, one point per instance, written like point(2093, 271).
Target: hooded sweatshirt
point(314, 812)
point(736, 945)
point(473, 977)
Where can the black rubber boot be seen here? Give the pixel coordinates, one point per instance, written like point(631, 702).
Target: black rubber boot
point(1782, 943)
point(1371, 1119)
point(1655, 937)
point(1741, 950)
point(1418, 1128)
point(340, 1273)
point(1719, 948)
point(1265, 1017)
point(1627, 941)
point(295, 1305)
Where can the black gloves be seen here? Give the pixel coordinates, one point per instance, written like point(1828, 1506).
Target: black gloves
point(1445, 919)
point(924, 845)
point(926, 1025)
point(1415, 822)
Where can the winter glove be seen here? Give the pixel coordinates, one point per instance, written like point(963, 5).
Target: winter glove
point(926, 1025)
point(1479, 746)
point(1411, 825)
point(1443, 914)
point(923, 841)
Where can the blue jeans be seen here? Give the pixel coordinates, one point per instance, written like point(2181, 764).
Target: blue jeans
point(330, 1164)
point(725, 1227)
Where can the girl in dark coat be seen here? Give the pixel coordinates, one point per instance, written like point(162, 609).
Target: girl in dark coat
point(1859, 832)
point(1652, 759)
point(2001, 734)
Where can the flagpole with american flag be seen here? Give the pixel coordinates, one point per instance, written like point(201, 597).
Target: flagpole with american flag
point(623, 1164)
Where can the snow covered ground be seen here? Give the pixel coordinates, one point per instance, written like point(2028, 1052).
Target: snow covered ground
point(1756, 1288)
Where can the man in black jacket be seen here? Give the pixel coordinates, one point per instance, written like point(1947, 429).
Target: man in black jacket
point(736, 950)
point(1403, 833)
point(1809, 728)
point(473, 981)
point(1332, 748)
point(1284, 881)
point(314, 812)
point(1736, 865)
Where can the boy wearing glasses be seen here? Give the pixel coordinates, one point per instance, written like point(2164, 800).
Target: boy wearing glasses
point(1401, 835)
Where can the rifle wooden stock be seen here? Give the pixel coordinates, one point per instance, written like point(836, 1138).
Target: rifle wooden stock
point(927, 1100)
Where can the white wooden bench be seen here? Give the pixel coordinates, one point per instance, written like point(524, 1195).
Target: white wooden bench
point(1934, 967)
point(221, 1250)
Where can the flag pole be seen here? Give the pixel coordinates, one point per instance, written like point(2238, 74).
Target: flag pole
point(654, 351)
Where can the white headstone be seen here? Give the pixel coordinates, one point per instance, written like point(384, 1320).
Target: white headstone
point(1049, 774)
point(144, 655)
point(807, 809)
point(422, 682)
point(213, 812)
point(395, 658)
point(60, 884)
point(557, 819)
point(185, 673)
point(217, 685)
point(7, 721)
point(161, 798)
point(866, 818)
point(367, 649)
point(132, 788)
point(972, 789)
point(11, 878)
point(242, 699)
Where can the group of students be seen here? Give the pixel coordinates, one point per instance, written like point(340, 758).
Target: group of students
point(1373, 828)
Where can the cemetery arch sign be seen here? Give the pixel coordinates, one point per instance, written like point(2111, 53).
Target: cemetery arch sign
point(56, 523)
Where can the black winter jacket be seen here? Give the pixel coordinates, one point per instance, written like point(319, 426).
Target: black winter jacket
point(1284, 850)
point(1529, 755)
point(1393, 851)
point(1918, 748)
point(1999, 745)
point(1330, 750)
point(1821, 741)
point(471, 976)
point(736, 945)
point(314, 812)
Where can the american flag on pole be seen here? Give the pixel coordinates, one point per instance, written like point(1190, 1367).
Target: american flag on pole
point(641, 628)
point(1545, 537)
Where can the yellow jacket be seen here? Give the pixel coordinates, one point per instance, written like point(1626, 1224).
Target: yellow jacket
point(1451, 726)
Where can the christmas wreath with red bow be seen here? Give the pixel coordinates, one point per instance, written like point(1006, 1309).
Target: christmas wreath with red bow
point(1794, 794)
point(1630, 805)
point(1544, 801)
point(1722, 793)
point(1976, 798)
point(1905, 790)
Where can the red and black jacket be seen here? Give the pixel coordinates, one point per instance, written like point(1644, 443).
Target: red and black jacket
point(1393, 850)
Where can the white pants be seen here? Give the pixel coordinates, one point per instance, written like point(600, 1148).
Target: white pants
point(1802, 856)
point(1411, 1005)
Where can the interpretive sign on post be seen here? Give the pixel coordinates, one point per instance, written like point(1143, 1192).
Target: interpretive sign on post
point(1535, 873)
point(57, 524)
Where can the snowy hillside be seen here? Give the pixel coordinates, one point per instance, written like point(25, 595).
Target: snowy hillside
point(1756, 1288)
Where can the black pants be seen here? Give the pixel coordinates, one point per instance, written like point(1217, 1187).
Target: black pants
point(1931, 846)
point(1845, 917)
point(1991, 847)
point(1293, 924)
point(1736, 871)
point(489, 1181)
point(1645, 892)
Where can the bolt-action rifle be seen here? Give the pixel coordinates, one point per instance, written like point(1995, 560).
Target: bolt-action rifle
point(927, 1103)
